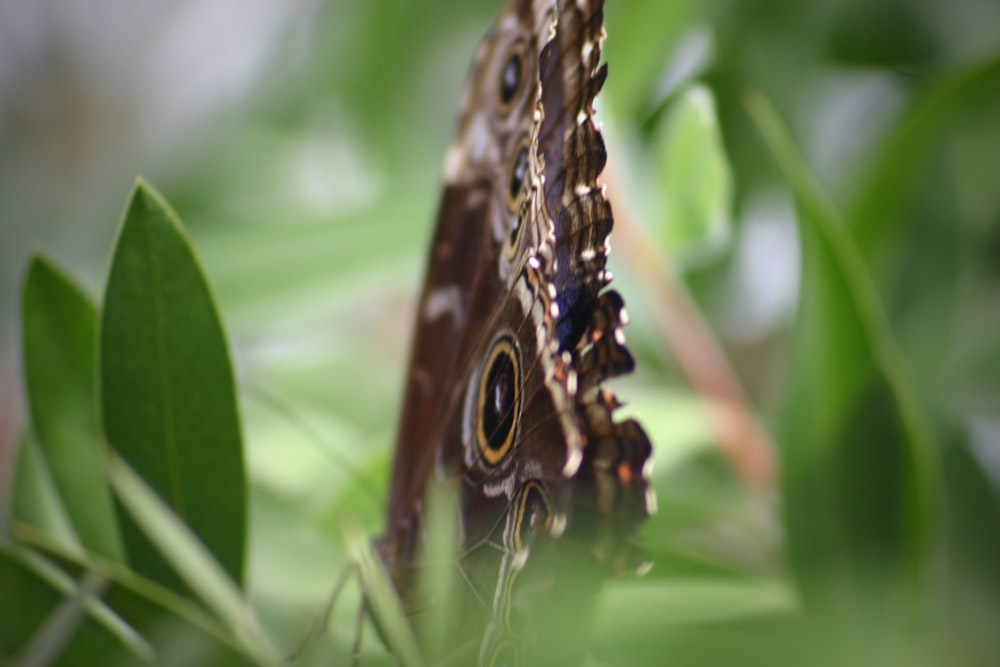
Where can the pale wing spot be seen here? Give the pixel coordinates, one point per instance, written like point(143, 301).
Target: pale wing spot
point(573, 460)
point(523, 293)
point(454, 163)
point(588, 254)
point(651, 507)
point(558, 525)
point(445, 301)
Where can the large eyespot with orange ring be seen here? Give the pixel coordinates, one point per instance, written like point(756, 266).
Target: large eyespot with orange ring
point(533, 512)
point(498, 403)
point(513, 77)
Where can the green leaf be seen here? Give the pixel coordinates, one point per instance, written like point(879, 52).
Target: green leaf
point(971, 549)
point(857, 491)
point(41, 620)
point(35, 500)
point(381, 596)
point(875, 218)
point(694, 175)
point(144, 603)
point(646, 36)
point(188, 556)
point(167, 390)
point(59, 330)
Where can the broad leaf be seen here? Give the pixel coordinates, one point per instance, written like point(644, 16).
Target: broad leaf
point(167, 389)
point(59, 325)
point(857, 496)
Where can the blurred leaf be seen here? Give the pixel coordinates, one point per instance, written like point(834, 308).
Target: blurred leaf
point(641, 623)
point(653, 604)
point(694, 178)
point(146, 604)
point(167, 387)
point(971, 585)
point(35, 500)
point(645, 35)
point(709, 524)
point(381, 597)
point(857, 495)
point(59, 335)
point(876, 216)
point(31, 592)
point(437, 581)
point(189, 557)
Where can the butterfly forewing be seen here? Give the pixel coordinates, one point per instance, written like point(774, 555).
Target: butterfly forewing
point(513, 338)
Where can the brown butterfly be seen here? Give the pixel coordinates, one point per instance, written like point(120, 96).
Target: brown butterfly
point(514, 337)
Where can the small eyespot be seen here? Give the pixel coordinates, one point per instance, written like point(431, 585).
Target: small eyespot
point(499, 401)
point(518, 175)
point(515, 229)
point(511, 77)
point(533, 514)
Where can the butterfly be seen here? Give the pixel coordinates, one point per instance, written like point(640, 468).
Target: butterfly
point(515, 334)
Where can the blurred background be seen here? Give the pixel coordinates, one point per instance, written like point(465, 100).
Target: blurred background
point(301, 142)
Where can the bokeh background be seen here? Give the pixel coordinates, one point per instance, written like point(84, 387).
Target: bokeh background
point(301, 144)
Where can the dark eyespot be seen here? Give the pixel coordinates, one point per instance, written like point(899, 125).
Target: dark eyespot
point(511, 77)
point(532, 514)
point(499, 401)
point(518, 172)
point(515, 230)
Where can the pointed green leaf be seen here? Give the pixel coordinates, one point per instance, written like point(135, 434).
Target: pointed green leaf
point(857, 495)
point(167, 389)
point(35, 500)
point(190, 560)
point(59, 325)
point(695, 178)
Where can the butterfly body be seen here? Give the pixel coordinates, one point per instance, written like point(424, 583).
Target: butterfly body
point(514, 336)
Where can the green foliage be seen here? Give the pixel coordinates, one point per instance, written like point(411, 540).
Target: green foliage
point(696, 183)
point(59, 330)
point(167, 390)
point(165, 509)
point(855, 451)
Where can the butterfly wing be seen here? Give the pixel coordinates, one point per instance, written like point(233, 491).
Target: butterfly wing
point(514, 337)
point(462, 289)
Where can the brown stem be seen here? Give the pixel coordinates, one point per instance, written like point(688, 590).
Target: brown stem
point(743, 440)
